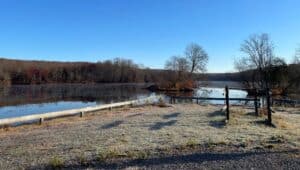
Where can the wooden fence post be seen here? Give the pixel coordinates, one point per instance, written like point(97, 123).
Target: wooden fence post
point(269, 107)
point(81, 114)
point(41, 120)
point(255, 102)
point(227, 102)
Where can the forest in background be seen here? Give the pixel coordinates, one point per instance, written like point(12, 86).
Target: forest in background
point(40, 72)
point(258, 68)
point(110, 71)
point(177, 74)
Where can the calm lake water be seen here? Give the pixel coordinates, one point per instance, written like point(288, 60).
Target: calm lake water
point(34, 99)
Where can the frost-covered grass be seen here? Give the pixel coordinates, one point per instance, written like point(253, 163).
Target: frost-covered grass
point(141, 131)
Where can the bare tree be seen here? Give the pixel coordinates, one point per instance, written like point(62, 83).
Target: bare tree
point(176, 72)
point(171, 64)
point(260, 59)
point(294, 74)
point(178, 64)
point(297, 57)
point(196, 57)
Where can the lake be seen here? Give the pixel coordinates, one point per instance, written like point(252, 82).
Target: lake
point(19, 100)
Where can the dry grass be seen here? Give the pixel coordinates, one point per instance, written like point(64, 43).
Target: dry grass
point(142, 131)
point(56, 162)
point(281, 122)
point(262, 112)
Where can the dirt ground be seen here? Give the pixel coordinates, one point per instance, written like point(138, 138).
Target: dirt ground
point(143, 132)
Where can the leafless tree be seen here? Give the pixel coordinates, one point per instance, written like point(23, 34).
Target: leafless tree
point(171, 64)
point(294, 74)
point(259, 58)
point(178, 64)
point(176, 71)
point(197, 58)
point(297, 57)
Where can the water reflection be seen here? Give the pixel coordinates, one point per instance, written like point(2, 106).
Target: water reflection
point(219, 93)
point(24, 100)
point(100, 93)
point(213, 92)
point(35, 99)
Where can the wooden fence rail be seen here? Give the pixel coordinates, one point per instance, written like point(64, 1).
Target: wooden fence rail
point(286, 101)
point(81, 112)
point(256, 101)
point(212, 98)
point(226, 100)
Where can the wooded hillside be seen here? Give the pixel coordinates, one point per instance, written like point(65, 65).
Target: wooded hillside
point(110, 71)
point(38, 72)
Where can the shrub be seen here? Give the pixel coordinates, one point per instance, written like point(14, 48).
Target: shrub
point(161, 102)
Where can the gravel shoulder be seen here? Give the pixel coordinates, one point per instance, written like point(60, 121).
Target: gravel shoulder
point(183, 136)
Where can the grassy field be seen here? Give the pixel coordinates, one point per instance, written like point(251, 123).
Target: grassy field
point(143, 132)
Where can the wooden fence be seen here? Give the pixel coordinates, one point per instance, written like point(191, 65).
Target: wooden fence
point(255, 99)
point(226, 100)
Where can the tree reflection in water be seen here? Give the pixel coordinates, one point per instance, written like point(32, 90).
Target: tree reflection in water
point(101, 93)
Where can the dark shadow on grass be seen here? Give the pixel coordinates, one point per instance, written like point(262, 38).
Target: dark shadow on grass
point(264, 122)
point(160, 125)
point(135, 115)
point(172, 115)
point(217, 123)
point(112, 124)
point(294, 112)
point(216, 113)
point(250, 114)
point(179, 160)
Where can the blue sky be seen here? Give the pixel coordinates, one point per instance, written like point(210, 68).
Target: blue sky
point(146, 31)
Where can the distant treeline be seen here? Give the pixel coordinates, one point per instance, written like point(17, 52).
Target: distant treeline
point(285, 76)
point(219, 76)
point(40, 72)
point(110, 71)
point(240, 76)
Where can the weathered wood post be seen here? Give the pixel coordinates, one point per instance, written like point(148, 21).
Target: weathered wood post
point(81, 114)
point(227, 102)
point(255, 102)
point(261, 102)
point(41, 121)
point(269, 106)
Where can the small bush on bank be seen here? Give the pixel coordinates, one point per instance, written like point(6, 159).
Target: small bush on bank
point(161, 103)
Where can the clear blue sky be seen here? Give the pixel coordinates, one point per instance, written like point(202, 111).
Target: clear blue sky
point(146, 31)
